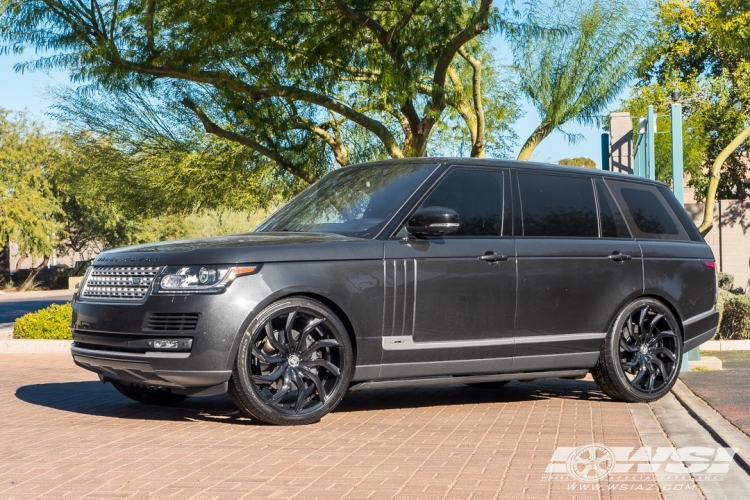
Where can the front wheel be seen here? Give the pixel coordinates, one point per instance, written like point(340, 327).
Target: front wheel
point(641, 355)
point(294, 363)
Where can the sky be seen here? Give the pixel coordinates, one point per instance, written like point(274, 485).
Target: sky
point(20, 92)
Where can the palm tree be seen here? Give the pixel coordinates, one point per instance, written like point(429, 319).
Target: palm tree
point(582, 66)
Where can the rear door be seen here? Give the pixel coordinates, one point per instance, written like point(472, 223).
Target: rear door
point(577, 265)
point(674, 254)
point(450, 300)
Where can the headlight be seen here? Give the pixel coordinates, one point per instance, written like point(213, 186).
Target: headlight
point(199, 279)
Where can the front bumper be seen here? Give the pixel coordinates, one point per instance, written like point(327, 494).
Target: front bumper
point(116, 340)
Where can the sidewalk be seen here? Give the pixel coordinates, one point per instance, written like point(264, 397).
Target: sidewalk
point(727, 391)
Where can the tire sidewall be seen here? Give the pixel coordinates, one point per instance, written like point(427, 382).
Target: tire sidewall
point(241, 378)
point(613, 346)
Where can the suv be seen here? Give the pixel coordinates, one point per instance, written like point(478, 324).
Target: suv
point(409, 272)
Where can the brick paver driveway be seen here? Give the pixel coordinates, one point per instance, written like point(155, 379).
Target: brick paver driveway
point(64, 434)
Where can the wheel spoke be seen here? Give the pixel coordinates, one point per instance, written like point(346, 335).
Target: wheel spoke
point(317, 382)
point(271, 377)
point(288, 330)
point(308, 329)
point(624, 345)
point(320, 344)
point(276, 344)
point(323, 364)
point(666, 352)
point(661, 335)
point(632, 363)
point(651, 380)
point(284, 388)
point(660, 365)
point(641, 373)
point(300, 391)
point(641, 321)
point(270, 360)
point(654, 322)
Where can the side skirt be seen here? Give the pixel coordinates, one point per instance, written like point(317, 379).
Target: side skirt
point(394, 384)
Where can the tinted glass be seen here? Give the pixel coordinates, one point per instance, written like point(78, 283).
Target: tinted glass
point(557, 205)
point(477, 196)
point(649, 214)
point(353, 201)
point(613, 224)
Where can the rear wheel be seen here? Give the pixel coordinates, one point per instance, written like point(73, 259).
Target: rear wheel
point(641, 355)
point(294, 363)
point(148, 395)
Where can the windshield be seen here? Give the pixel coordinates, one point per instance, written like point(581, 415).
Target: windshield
point(353, 201)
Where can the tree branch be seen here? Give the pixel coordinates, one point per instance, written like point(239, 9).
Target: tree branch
point(478, 26)
point(477, 149)
point(225, 79)
point(213, 128)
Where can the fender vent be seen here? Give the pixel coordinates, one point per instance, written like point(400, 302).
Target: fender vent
point(171, 322)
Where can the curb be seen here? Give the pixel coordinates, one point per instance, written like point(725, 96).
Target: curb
point(720, 429)
point(726, 345)
point(18, 346)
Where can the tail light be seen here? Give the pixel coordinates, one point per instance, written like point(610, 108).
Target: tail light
point(710, 263)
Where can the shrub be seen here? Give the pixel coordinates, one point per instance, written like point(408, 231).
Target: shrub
point(52, 322)
point(735, 318)
point(726, 281)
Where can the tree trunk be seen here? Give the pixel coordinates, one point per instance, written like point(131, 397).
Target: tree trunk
point(533, 141)
point(5, 260)
point(33, 274)
point(715, 174)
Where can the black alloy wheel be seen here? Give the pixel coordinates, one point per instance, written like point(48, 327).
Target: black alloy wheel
point(294, 363)
point(642, 352)
point(148, 395)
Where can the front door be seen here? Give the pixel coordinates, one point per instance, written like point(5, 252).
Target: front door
point(450, 300)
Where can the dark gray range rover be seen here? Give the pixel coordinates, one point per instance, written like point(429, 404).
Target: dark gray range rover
point(413, 272)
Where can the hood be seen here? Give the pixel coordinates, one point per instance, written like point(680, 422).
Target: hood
point(245, 248)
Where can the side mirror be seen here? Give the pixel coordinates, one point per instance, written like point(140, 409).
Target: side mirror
point(433, 221)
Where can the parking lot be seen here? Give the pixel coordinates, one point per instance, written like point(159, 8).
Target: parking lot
point(65, 434)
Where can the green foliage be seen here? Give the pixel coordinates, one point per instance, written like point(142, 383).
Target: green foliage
point(575, 73)
point(702, 48)
point(52, 322)
point(28, 210)
point(296, 84)
point(735, 319)
point(578, 162)
point(726, 281)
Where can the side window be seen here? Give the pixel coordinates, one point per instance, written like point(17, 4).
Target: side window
point(557, 205)
point(648, 215)
point(612, 222)
point(477, 196)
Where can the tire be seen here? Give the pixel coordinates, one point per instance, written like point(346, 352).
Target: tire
point(148, 395)
point(490, 386)
point(641, 355)
point(293, 365)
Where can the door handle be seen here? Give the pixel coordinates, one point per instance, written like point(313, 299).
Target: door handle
point(493, 257)
point(619, 257)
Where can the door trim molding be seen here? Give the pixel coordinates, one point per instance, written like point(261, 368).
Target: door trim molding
point(407, 343)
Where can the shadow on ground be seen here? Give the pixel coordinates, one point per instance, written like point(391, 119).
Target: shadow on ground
point(95, 398)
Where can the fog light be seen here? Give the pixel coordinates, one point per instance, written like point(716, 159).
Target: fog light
point(165, 344)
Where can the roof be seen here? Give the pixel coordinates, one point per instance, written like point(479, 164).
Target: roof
point(497, 162)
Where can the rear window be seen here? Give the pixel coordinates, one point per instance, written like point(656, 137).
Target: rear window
point(648, 214)
point(557, 205)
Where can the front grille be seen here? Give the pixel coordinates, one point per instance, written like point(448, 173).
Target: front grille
point(119, 283)
point(171, 322)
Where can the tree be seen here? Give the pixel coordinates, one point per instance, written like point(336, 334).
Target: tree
point(707, 43)
point(293, 82)
point(28, 210)
point(578, 162)
point(580, 69)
